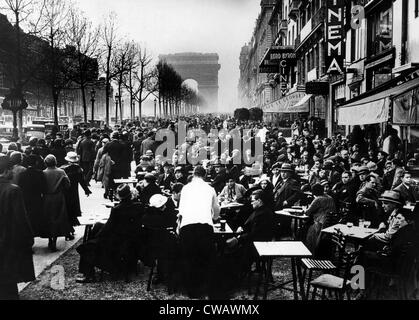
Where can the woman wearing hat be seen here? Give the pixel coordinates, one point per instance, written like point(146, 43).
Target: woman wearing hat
point(75, 174)
point(55, 210)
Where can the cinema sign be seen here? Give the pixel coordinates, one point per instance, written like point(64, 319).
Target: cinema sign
point(335, 27)
point(277, 59)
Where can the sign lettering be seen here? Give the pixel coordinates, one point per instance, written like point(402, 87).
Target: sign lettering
point(335, 37)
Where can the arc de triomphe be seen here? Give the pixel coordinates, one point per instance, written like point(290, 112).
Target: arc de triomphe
point(201, 67)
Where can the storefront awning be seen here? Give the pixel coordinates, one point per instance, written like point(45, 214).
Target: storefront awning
point(288, 104)
point(303, 100)
point(374, 108)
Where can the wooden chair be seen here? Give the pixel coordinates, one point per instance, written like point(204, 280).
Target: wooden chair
point(334, 282)
point(312, 265)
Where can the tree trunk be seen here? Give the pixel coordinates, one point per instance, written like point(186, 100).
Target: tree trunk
point(55, 98)
point(108, 84)
point(83, 96)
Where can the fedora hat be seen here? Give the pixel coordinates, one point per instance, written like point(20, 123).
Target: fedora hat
point(391, 196)
point(286, 167)
point(363, 170)
point(158, 201)
point(72, 157)
point(277, 165)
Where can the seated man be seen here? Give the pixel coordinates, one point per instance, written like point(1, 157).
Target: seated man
point(232, 192)
point(402, 248)
point(161, 244)
point(392, 205)
point(113, 247)
point(258, 227)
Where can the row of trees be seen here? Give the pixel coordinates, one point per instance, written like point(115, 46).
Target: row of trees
point(61, 49)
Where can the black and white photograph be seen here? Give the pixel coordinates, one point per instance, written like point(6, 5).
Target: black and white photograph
point(184, 152)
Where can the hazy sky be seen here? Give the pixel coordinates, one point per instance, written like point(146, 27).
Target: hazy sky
point(172, 26)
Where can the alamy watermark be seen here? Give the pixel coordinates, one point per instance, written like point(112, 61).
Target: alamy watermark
point(241, 147)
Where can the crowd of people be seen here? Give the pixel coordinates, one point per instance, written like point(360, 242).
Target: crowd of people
point(180, 196)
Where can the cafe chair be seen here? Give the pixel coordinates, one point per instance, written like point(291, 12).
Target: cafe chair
point(316, 265)
point(160, 245)
point(402, 272)
point(334, 283)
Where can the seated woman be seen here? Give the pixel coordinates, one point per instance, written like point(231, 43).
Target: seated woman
point(113, 247)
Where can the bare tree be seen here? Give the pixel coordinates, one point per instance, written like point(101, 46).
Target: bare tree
point(51, 28)
point(124, 61)
point(141, 81)
point(109, 39)
point(83, 41)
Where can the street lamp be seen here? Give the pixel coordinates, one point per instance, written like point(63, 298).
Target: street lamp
point(92, 96)
point(116, 108)
point(155, 108)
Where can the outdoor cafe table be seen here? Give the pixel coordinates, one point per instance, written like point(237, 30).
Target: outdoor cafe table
point(298, 218)
point(295, 250)
point(228, 231)
point(356, 233)
point(126, 181)
point(89, 221)
point(233, 205)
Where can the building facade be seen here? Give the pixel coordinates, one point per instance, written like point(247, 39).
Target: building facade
point(356, 64)
point(36, 92)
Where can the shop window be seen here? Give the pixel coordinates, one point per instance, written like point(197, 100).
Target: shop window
point(379, 75)
point(380, 30)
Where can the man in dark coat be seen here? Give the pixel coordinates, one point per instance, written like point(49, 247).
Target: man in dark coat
point(127, 156)
point(136, 147)
point(166, 179)
point(258, 227)
point(116, 247)
point(406, 189)
point(149, 144)
point(344, 192)
point(33, 185)
point(72, 199)
point(289, 191)
point(288, 194)
point(220, 178)
point(16, 238)
point(367, 199)
point(116, 151)
point(87, 153)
